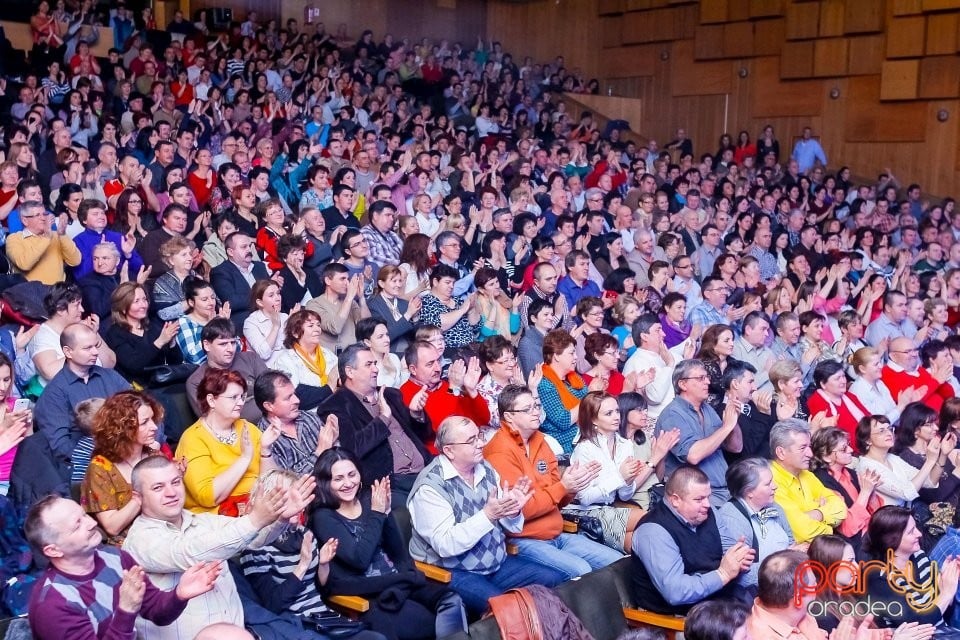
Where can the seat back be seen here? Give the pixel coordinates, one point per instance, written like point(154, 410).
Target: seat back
point(596, 600)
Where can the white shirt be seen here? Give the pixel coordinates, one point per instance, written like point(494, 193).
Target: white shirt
point(609, 485)
point(293, 365)
point(256, 329)
point(433, 518)
point(659, 393)
point(895, 485)
point(875, 397)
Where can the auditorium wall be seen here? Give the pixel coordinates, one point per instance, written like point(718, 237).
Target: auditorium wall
point(870, 78)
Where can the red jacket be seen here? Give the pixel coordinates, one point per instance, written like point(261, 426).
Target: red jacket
point(848, 412)
point(900, 381)
point(441, 403)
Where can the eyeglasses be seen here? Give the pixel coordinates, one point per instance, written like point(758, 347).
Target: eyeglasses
point(595, 313)
point(36, 215)
point(357, 244)
point(471, 442)
point(594, 199)
point(613, 352)
point(132, 201)
point(507, 360)
point(912, 351)
point(686, 266)
point(702, 378)
point(238, 399)
point(532, 409)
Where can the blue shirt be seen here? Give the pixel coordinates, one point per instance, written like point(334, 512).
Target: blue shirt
point(948, 545)
point(574, 292)
point(705, 315)
point(87, 239)
point(55, 408)
point(806, 152)
point(694, 427)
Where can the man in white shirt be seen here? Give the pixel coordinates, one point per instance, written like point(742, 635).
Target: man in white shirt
point(655, 362)
point(166, 540)
point(460, 512)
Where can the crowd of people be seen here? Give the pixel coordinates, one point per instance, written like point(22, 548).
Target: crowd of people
point(318, 310)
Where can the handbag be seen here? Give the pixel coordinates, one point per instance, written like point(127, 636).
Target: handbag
point(589, 526)
point(165, 374)
point(333, 625)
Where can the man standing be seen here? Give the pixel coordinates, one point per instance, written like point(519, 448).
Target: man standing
point(166, 540)
point(303, 437)
point(678, 557)
point(812, 509)
point(92, 591)
point(703, 434)
point(807, 152)
point(384, 432)
point(519, 450)
point(460, 512)
point(39, 252)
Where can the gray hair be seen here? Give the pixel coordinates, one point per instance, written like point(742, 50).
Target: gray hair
point(447, 428)
point(683, 369)
point(781, 435)
point(31, 205)
point(107, 246)
point(744, 476)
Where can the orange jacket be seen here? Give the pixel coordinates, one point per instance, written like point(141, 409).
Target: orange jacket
point(509, 457)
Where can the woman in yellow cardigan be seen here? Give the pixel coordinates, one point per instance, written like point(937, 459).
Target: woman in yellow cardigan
point(224, 453)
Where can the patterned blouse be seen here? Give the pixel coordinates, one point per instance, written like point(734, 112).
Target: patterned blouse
point(461, 333)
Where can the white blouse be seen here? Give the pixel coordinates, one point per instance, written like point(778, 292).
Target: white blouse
point(256, 329)
point(293, 365)
point(895, 486)
point(876, 397)
point(609, 485)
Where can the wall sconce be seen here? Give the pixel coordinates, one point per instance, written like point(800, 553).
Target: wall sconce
point(743, 72)
point(664, 55)
point(834, 93)
point(943, 115)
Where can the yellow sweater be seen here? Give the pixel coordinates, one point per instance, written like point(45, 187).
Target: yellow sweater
point(42, 258)
point(207, 458)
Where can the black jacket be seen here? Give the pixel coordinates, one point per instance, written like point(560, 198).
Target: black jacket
point(230, 286)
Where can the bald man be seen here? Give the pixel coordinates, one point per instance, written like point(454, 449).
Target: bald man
point(80, 379)
point(903, 371)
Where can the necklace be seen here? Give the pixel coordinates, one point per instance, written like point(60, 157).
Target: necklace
point(229, 439)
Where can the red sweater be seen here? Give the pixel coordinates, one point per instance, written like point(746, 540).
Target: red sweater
point(441, 404)
point(848, 412)
point(900, 381)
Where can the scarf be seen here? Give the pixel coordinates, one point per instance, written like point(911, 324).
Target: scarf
point(573, 379)
point(314, 363)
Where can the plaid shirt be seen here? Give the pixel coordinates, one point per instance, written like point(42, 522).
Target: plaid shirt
point(297, 454)
point(384, 247)
point(705, 315)
point(188, 339)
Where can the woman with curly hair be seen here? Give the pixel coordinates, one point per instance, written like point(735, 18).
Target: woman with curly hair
point(124, 433)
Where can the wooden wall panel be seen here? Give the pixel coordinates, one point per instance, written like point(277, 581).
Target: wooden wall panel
point(768, 36)
point(611, 7)
point(942, 33)
point(626, 62)
point(775, 98)
point(865, 55)
point(907, 7)
point(899, 79)
point(766, 8)
point(940, 77)
point(610, 31)
point(830, 57)
point(708, 42)
point(905, 37)
point(940, 5)
point(803, 20)
point(796, 59)
point(701, 78)
point(831, 18)
point(713, 11)
point(738, 40)
point(738, 10)
point(863, 17)
point(868, 120)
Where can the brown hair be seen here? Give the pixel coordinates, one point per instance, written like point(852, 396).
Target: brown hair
point(554, 343)
point(588, 412)
point(215, 382)
point(709, 340)
point(258, 289)
point(295, 322)
point(120, 301)
point(595, 344)
point(173, 246)
point(116, 424)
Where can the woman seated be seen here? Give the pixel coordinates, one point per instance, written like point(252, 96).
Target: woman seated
point(264, 328)
point(201, 309)
point(716, 347)
point(624, 313)
point(869, 389)
point(900, 482)
point(606, 497)
point(139, 344)
point(636, 427)
point(457, 316)
point(168, 299)
point(287, 574)
point(811, 337)
point(751, 486)
point(673, 314)
point(834, 400)
point(300, 285)
point(659, 287)
point(124, 433)
point(561, 388)
point(373, 333)
point(224, 453)
point(388, 303)
point(832, 458)
point(893, 528)
point(499, 314)
point(829, 551)
point(64, 306)
point(372, 558)
point(918, 426)
point(499, 360)
point(589, 310)
point(603, 355)
point(14, 426)
point(312, 368)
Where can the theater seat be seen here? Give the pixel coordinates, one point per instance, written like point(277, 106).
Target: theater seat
point(635, 617)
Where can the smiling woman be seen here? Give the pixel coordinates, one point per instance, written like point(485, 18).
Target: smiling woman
point(124, 432)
